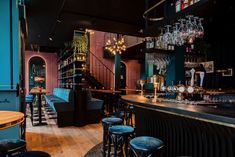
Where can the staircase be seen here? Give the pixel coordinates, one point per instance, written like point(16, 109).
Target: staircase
point(98, 75)
point(90, 81)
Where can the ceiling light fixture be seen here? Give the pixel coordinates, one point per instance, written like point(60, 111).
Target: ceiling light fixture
point(116, 45)
point(50, 38)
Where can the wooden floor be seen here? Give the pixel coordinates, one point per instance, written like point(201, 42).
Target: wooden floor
point(63, 142)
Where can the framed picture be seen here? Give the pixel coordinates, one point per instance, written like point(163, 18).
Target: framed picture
point(228, 72)
point(209, 66)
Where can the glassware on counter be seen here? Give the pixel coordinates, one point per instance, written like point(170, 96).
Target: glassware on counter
point(155, 85)
point(142, 82)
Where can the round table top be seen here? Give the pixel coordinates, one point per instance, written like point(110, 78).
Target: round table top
point(10, 118)
point(38, 91)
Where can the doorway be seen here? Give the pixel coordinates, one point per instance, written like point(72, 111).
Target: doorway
point(122, 75)
point(37, 73)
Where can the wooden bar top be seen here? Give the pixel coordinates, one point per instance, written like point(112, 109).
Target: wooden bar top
point(10, 118)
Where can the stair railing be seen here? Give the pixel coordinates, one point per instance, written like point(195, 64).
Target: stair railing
point(101, 72)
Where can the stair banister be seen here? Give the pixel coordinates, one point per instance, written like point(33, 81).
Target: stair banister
point(106, 77)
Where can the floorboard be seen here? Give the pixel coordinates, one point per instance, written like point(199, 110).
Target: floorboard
point(63, 142)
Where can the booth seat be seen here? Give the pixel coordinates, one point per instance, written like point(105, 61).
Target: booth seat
point(94, 104)
point(94, 108)
point(62, 102)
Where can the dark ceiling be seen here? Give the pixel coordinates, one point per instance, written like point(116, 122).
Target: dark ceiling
point(58, 18)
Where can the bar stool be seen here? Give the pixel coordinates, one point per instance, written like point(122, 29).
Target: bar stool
point(145, 145)
point(29, 100)
point(107, 122)
point(120, 135)
point(33, 154)
point(124, 111)
point(129, 115)
point(10, 146)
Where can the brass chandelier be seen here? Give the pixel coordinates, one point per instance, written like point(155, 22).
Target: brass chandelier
point(116, 45)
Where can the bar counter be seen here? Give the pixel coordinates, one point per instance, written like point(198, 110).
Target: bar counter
point(186, 130)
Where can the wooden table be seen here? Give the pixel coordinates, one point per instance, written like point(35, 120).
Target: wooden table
point(108, 91)
point(10, 118)
point(39, 92)
point(130, 91)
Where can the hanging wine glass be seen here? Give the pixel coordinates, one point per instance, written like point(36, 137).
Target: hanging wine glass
point(200, 28)
point(195, 26)
point(189, 25)
point(161, 38)
point(190, 29)
point(177, 40)
point(168, 35)
point(183, 30)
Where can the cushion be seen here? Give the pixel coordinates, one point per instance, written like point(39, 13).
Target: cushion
point(89, 95)
point(33, 154)
point(95, 104)
point(12, 145)
point(62, 93)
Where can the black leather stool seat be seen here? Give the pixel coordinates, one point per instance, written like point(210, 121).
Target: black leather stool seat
point(8, 146)
point(33, 154)
point(145, 145)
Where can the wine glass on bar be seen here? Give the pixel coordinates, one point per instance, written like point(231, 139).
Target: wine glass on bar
point(155, 85)
point(142, 87)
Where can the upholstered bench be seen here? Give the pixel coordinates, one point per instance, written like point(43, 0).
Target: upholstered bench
point(62, 102)
point(94, 108)
point(10, 146)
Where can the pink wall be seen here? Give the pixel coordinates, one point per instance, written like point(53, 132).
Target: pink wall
point(97, 42)
point(132, 73)
point(51, 68)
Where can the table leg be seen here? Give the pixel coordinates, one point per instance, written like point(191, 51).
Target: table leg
point(40, 111)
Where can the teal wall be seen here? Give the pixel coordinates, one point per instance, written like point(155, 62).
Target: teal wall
point(5, 43)
point(8, 87)
point(117, 65)
point(143, 69)
point(148, 72)
point(175, 70)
